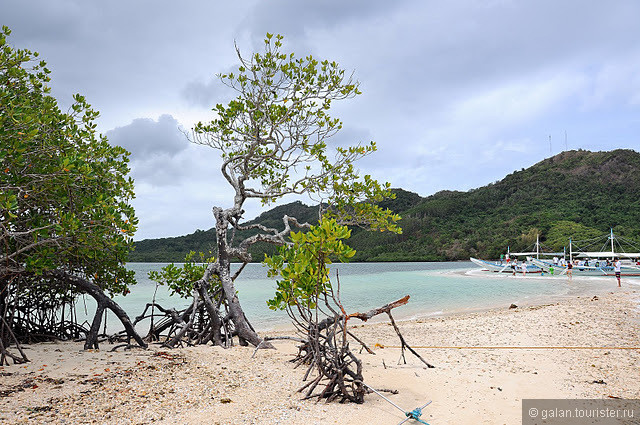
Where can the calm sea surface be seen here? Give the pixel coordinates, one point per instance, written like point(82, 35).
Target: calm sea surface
point(435, 289)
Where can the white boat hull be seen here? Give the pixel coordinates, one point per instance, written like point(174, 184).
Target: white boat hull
point(503, 267)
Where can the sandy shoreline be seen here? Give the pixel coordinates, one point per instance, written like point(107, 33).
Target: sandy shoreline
point(64, 384)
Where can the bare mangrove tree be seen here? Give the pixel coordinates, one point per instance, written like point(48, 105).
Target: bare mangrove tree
point(273, 141)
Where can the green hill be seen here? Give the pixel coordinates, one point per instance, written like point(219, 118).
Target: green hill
point(578, 194)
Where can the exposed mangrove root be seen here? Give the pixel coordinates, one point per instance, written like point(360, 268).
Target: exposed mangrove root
point(405, 345)
point(205, 320)
point(103, 302)
point(26, 316)
point(387, 309)
point(215, 314)
point(333, 371)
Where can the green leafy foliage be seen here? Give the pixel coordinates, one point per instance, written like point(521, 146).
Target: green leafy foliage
point(181, 279)
point(64, 190)
point(303, 265)
point(273, 137)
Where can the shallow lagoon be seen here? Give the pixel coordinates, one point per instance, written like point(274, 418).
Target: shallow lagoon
point(435, 289)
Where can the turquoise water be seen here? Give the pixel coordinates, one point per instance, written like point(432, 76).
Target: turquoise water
point(435, 289)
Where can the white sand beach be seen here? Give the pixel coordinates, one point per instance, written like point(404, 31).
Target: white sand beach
point(583, 347)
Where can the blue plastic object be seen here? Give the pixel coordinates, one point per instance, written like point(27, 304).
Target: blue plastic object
point(415, 415)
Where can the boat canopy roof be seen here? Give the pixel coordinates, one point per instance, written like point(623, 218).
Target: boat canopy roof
point(536, 253)
point(609, 254)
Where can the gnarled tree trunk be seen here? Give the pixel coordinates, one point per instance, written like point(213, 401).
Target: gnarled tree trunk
point(103, 302)
point(222, 268)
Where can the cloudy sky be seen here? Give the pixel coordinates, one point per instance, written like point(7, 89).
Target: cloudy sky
point(456, 93)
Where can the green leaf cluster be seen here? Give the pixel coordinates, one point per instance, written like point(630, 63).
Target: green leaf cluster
point(181, 279)
point(64, 190)
point(273, 136)
point(302, 266)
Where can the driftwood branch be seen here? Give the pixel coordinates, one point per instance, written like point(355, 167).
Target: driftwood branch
point(384, 309)
point(405, 345)
point(362, 344)
point(387, 309)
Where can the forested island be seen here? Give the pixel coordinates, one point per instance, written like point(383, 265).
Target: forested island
point(578, 194)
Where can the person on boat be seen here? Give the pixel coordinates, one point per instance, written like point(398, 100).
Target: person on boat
point(555, 261)
point(617, 268)
point(524, 268)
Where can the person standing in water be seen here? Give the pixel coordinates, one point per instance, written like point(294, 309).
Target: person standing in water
point(617, 268)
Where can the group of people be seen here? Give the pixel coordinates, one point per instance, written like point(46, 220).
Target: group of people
point(513, 264)
point(559, 262)
point(616, 264)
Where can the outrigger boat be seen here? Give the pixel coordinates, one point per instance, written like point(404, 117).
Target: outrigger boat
point(598, 270)
point(504, 267)
point(511, 266)
point(597, 263)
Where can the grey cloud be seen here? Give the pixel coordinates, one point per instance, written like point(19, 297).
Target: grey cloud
point(162, 170)
point(161, 154)
point(125, 57)
point(350, 136)
point(210, 92)
point(145, 137)
point(42, 21)
point(294, 18)
point(442, 82)
point(200, 93)
point(192, 168)
point(430, 52)
point(297, 20)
